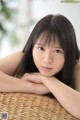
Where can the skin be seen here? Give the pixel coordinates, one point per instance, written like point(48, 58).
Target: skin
point(42, 82)
point(8, 83)
point(49, 59)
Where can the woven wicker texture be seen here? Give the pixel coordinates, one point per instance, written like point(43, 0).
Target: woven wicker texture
point(22, 106)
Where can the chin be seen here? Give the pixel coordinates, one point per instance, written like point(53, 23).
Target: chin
point(46, 75)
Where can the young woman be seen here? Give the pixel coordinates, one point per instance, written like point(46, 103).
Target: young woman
point(49, 63)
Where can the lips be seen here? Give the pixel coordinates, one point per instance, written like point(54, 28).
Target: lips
point(46, 68)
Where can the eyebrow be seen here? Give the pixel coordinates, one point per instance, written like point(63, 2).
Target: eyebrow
point(58, 47)
point(44, 44)
point(40, 44)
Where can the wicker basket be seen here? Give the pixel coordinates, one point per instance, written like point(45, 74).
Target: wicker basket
point(22, 106)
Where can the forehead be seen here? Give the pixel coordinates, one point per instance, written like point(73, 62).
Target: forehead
point(49, 39)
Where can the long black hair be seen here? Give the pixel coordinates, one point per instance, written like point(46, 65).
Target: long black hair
point(54, 25)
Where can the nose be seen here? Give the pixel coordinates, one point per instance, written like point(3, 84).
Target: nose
point(48, 57)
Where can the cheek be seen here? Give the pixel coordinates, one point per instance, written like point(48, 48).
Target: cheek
point(59, 62)
point(36, 56)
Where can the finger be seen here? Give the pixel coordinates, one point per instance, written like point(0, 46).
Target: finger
point(33, 78)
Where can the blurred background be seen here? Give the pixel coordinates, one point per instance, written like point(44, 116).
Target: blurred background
point(18, 17)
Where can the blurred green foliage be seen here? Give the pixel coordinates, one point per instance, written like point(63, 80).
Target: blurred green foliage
point(7, 18)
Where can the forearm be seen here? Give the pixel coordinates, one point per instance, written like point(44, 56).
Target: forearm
point(40, 89)
point(12, 84)
point(68, 98)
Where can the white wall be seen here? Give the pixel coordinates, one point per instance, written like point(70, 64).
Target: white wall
point(41, 8)
point(36, 9)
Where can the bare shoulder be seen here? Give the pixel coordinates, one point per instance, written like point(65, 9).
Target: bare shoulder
point(13, 54)
point(76, 76)
point(9, 63)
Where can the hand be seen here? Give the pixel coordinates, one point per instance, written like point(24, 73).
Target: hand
point(36, 86)
point(32, 77)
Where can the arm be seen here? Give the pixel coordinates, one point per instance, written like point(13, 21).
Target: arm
point(12, 84)
point(9, 63)
point(8, 83)
point(67, 96)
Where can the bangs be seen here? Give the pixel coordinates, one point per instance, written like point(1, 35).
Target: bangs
point(48, 37)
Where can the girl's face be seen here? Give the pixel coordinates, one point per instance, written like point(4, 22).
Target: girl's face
point(49, 59)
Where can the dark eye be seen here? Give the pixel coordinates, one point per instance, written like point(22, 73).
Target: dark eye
point(41, 48)
point(58, 51)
